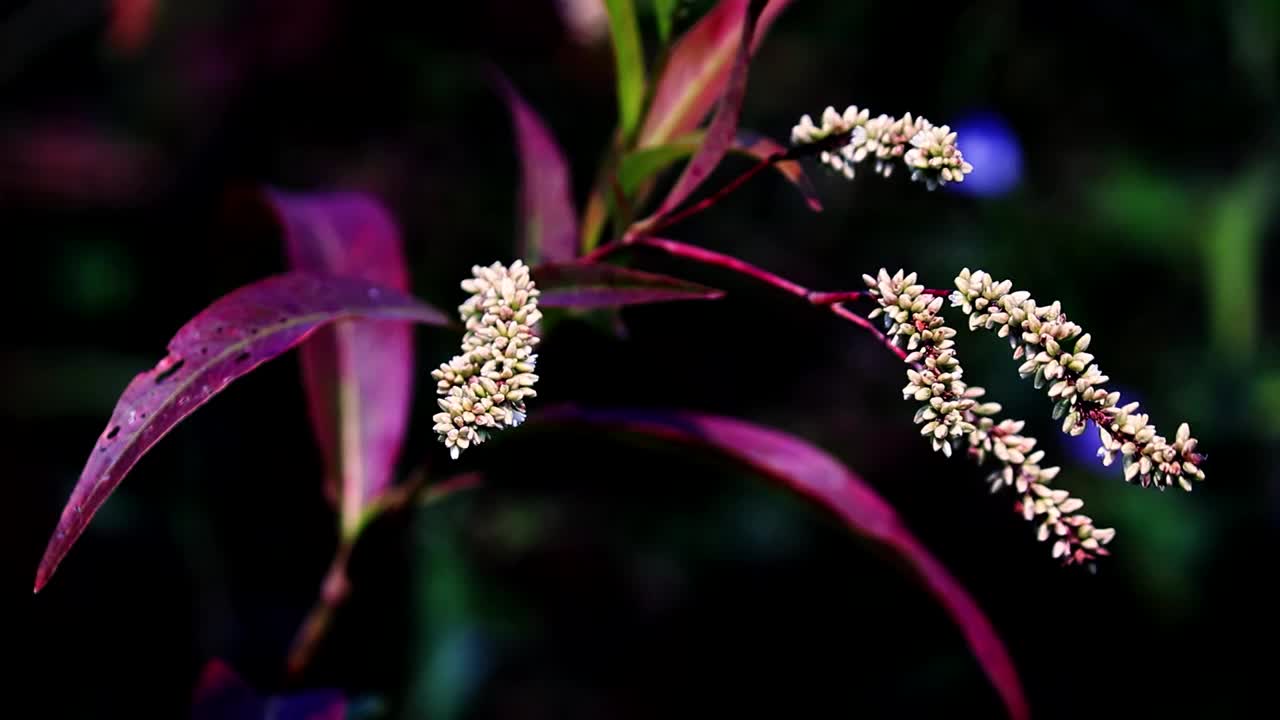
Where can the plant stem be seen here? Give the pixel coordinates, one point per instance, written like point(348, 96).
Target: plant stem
point(337, 587)
point(866, 324)
point(654, 224)
point(720, 260)
point(834, 298)
point(658, 224)
point(333, 593)
point(640, 233)
point(728, 262)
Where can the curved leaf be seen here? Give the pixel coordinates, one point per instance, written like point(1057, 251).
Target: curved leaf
point(232, 336)
point(549, 222)
point(724, 124)
point(697, 70)
point(811, 472)
point(637, 167)
point(358, 374)
point(628, 60)
point(594, 285)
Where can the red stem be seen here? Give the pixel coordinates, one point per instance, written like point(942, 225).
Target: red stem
point(711, 257)
point(333, 593)
point(832, 298)
point(337, 587)
point(866, 324)
point(661, 223)
point(720, 260)
point(641, 233)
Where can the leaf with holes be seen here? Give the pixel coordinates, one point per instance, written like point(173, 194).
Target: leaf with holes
point(592, 285)
point(697, 70)
point(549, 221)
point(638, 167)
point(724, 124)
point(232, 336)
point(358, 373)
point(819, 477)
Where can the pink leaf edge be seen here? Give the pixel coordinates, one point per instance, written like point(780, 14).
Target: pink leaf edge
point(549, 220)
point(816, 475)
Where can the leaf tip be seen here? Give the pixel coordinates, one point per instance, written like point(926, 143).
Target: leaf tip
point(43, 573)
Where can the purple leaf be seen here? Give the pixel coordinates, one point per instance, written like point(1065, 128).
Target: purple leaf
point(697, 70)
point(222, 695)
point(232, 336)
point(724, 125)
point(359, 374)
point(592, 285)
point(549, 220)
point(818, 476)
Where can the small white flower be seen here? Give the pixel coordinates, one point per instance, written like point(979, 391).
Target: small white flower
point(934, 157)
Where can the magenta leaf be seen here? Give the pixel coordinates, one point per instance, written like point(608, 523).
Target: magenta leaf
point(222, 695)
point(697, 70)
point(234, 335)
point(549, 222)
point(358, 374)
point(816, 475)
point(724, 124)
point(593, 285)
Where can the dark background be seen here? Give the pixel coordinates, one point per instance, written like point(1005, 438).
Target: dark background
point(601, 577)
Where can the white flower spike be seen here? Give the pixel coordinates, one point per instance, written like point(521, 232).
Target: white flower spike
point(483, 390)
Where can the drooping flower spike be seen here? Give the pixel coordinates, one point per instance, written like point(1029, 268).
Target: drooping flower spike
point(951, 415)
point(1039, 335)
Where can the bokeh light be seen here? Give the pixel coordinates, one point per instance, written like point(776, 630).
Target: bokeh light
point(995, 151)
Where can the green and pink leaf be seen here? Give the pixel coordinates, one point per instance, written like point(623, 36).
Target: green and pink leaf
point(724, 124)
point(697, 70)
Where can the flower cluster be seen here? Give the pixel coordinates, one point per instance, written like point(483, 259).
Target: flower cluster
point(484, 388)
point(951, 413)
point(912, 316)
point(1039, 335)
point(1076, 539)
point(929, 152)
point(935, 159)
